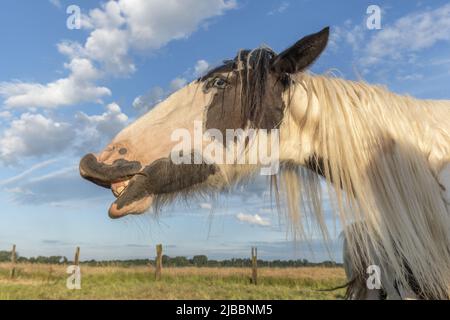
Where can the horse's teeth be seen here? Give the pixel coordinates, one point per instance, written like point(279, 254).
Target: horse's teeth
point(119, 188)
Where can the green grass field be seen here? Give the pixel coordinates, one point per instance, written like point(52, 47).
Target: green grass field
point(49, 282)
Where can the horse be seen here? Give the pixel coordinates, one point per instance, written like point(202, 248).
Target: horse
point(385, 158)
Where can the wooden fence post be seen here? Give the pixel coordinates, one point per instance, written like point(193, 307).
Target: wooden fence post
point(77, 256)
point(254, 266)
point(13, 262)
point(158, 262)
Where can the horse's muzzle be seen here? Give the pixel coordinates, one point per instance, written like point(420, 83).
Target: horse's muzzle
point(104, 174)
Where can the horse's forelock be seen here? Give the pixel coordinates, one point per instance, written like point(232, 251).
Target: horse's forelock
point(244, 60)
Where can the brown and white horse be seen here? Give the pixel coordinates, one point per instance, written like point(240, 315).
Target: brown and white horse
point(386, 157)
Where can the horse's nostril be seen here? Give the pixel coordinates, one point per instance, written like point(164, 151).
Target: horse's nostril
point(123, 151)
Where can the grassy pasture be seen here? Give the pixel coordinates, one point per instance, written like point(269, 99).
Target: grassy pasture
point(38, 281)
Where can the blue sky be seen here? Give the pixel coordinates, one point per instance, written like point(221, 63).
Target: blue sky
point(66, 92)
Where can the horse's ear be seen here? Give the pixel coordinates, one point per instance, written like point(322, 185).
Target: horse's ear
point(302, 54)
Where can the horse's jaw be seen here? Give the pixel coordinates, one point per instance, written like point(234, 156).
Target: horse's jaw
point(126, 181)
point(116, 211)
point(136, 186)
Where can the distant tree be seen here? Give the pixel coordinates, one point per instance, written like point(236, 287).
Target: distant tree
point(200, 261)
point(214, 263)
point(5, 256)
point(180, 262)
point(166, 261)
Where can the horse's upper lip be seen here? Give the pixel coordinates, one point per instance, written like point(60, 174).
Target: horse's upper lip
point(105, 175)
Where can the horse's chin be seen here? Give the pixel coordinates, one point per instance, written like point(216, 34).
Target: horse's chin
point(136, 208)
point(139, 206)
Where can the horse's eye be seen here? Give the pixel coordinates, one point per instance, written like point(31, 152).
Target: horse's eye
point(220, 83)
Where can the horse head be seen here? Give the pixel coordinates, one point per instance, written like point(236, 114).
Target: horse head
point(141, 164)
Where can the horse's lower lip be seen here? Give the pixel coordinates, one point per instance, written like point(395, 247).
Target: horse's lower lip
point(136, 208)
point(132, 199)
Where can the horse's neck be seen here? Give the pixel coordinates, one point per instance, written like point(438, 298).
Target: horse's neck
point(298, 140)
point(428, 121)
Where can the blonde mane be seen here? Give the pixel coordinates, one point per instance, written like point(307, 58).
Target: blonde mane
point(381, 154)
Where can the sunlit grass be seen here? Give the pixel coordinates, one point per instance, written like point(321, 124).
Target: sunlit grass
point(36, 281)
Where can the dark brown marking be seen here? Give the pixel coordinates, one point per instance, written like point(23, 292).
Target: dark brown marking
point(316, 164)
point(255, 84)
point(259, 104)
point(103, 174)
point(228, 66)
point(302, 54)
point(164, 177)
point(251, 93)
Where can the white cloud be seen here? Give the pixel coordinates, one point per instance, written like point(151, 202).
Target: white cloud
point(109, 16)
point(96, 130)
point(201, 67)
point(116, 28)
point(157, 94)
point(34, 135)
point(109, 47)
point(26, 173)
point(410, 77)
point(120, 26)
point(71, 49)
point(5, 115)
point(348, 34)
point(77, 88)
point(412, 33)
point(62, 186)
point(282, 8)
point(152, 24)
point(399, 51)
point(107, 123)
point(178, 83)
point(253, 219)
point(206, 206)
point(146, 102)
point(56, 3)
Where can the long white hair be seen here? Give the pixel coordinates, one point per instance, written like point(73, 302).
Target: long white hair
point(380, 154)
